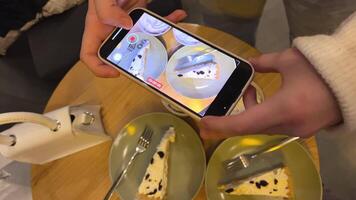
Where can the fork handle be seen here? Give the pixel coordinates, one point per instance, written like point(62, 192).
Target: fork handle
point(270, 147)
point(120, 177)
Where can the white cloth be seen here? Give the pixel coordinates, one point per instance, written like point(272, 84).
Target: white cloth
point(4, 161)
point(334, 57)
point(15, 180)
point(18, 184)
point(52, 7)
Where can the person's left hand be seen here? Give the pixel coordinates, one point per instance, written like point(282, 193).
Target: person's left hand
point(303, 105)
point(102, 17)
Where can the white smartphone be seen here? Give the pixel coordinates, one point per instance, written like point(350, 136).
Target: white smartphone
point(187, 71)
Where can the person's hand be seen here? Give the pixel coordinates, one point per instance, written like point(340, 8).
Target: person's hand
point(102, 17)
point(303, 105)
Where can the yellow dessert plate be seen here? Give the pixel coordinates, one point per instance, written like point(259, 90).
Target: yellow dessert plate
point(304, 177)
point(187, 162)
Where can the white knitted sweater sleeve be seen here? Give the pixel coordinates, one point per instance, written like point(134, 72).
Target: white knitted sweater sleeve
point(334, 57)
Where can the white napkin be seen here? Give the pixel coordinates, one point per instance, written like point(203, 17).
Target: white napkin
point(4, 161)
point(18, 184)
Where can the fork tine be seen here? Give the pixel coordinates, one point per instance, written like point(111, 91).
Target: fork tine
point(143, 135)
point(235, 167)
point(229, 163)
point(236, 164)
point(146, 133)
point(149, 135)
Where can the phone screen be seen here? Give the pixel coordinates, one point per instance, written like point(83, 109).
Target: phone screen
point(176, 64)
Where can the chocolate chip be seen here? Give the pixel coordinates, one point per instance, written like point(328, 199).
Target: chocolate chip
point(147, 176)
point(180, 75)
point(202, 72)
point(263, 183)
point(252, 182)
point(160, 185)
point(229, 190)
point(149, 180)
point(152, 160)
point(161, 154)
point(153, 192)
point(147, 187)
point(275, 190)
point(258, 185)
point(133, 60)
point(275, 181)
point(270, 192)
point(139, 56)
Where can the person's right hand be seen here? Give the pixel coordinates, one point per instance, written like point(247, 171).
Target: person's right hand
point(102, 17)
point(303, 105)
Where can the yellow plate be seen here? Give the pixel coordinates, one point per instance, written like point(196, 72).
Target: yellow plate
point(306, 181)
point(187, 161)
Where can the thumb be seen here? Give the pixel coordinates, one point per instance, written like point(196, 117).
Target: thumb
point(250, 97)
point(266, 62)
point(177, 16)
point(255, 120)
point(110, 13)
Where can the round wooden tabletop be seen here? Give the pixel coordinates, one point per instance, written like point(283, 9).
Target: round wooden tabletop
point(85, 175)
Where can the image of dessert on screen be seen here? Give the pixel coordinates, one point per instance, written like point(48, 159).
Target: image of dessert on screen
point(173, 62)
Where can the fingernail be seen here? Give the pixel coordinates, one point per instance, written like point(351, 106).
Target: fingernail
point(128, 23)
point(183, 14)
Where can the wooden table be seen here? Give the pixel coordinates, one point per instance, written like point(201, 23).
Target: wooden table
point(85, 175)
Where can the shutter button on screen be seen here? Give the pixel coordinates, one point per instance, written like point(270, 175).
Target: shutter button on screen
point(132, 38)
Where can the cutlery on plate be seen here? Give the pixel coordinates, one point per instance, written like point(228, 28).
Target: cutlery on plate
point(263, 159)
point(142, 145)
point(204, 56)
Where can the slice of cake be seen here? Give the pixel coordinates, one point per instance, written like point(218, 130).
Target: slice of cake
point(198, 66)
point(273, 183)
point(138, 64)
point(154, 182)
point(200, 71)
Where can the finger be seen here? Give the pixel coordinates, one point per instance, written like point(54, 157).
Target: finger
point(99, 68)
point(110, 13)
point(92, 39)
point(250, 97)
point(252, 121)
point(177, 16)
point(266, 62)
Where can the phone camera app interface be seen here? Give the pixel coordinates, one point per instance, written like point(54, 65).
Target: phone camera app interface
point(180, 66)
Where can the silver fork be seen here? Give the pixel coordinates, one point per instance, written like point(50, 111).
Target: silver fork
point(243, 161)
point(142, 145)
